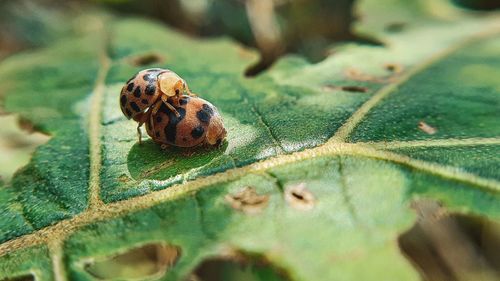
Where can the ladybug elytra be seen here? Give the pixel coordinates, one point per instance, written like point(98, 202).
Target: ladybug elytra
point(157, 97)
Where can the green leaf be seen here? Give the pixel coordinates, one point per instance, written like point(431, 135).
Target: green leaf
point(321, 164)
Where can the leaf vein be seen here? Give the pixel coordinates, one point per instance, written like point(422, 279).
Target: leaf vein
point(95, 123)
point(348, 127)
point(345, 194)
point(434, 143)
point(262, 120)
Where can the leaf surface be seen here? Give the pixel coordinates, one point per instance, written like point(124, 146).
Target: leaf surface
point(332, 151)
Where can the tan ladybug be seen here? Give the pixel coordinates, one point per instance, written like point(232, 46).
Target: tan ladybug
point(198, 123)
point(143, 94)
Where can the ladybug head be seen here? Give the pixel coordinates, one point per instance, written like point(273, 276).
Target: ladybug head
point(171, 84)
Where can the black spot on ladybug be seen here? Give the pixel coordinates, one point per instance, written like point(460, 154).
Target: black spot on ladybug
point(150, 89)
point(123, 100)
point(148, 77)
point(205, 113)
point(135, 107)
point(137, 92)
point(128, 112)
point(184, 139)
point(130, 87)
point(164, 109)
point(184, 101)
point(208, 108)
point(144, 101)
point(197, 132)
point(173, 120)
point(158, 119)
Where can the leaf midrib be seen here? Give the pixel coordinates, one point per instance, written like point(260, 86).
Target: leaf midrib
point(112, 210)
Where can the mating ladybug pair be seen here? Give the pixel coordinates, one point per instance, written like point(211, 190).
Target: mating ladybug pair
point(173, 115)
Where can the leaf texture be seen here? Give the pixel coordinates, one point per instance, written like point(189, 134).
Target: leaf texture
point(334, 152)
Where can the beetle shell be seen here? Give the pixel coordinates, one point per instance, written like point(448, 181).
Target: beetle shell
point(199, 123)
point(140, 92)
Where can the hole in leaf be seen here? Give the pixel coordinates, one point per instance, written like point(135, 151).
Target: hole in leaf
point(247, 200)
point(357, 89)
point(27, 277)
point(452, 246)
point(146, 59)
point(151, 260)
point(18, 140)
point(238, 267)
point(299, 197)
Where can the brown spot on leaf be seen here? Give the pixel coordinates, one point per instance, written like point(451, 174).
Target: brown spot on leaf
point(357, 75)
point(146, 59)
point(394, 68)
point(123, 178)
point(353, 88)
point(426, 128)
point(357, 89)
point(26, 125)
point(145, 262)
point(299, 197)
point(395, 27)
point(248, 201)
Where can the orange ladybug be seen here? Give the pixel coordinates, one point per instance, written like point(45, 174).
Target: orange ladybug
point(198, 123)
point(144, 94)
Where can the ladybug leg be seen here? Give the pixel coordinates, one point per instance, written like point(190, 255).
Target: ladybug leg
point(153, 111)
point(165, 101)
point(173, 109)
point(141, 120)
point(156, 107)
point(176, 101)
point(139, 133)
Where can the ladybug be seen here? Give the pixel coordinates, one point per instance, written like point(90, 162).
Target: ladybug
point(144, 94)
point(198, 123)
